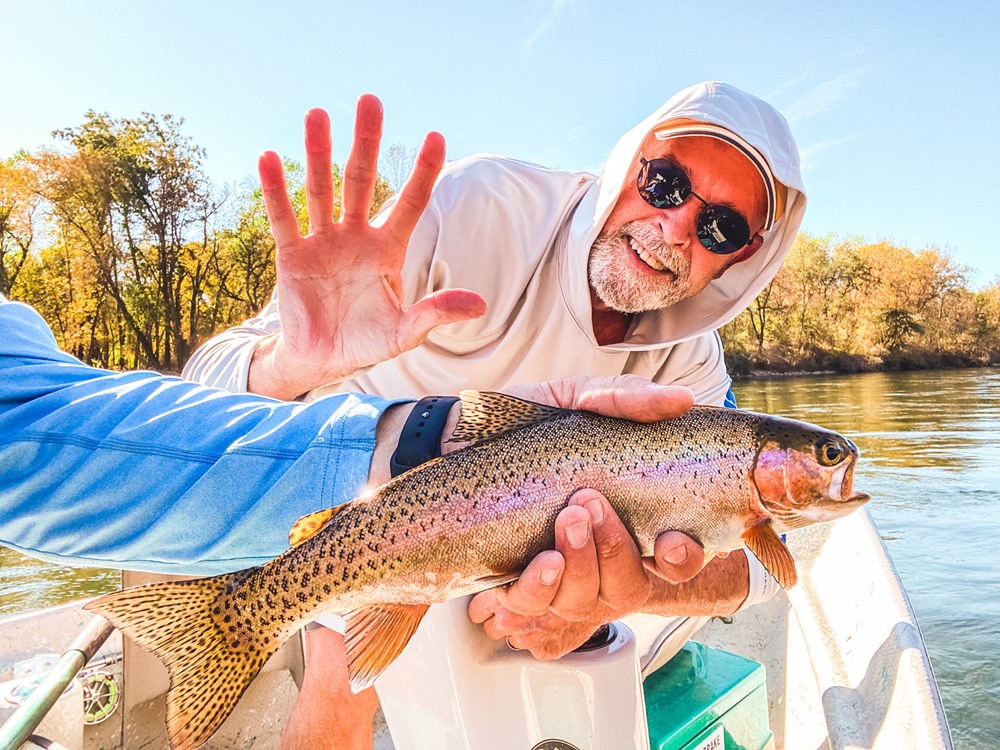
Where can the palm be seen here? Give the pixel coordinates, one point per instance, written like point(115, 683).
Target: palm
point(323, 297)
point(340, 287)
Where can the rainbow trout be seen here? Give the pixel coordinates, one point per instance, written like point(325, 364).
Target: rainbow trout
point(472, 520)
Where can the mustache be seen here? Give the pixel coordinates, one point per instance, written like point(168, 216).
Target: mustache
point(646, 235)
point(652, 241)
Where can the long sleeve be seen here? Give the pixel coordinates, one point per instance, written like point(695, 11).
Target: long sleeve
point(140, 471)
point(698, 363)
point(224, 360)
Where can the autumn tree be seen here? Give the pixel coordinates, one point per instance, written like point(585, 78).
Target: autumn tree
point(982, 334)
point(848, 303)
point(19, 216)
point(132, 196)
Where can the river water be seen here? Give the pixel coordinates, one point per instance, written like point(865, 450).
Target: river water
point(930, 445)
point(930, 458)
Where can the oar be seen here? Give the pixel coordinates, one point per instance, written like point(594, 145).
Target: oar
point(30, 714)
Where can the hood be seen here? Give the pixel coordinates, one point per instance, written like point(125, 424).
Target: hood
point(757, 123)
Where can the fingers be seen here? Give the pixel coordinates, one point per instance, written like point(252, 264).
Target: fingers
point(563, 595)
point(280, 214)
point(635, 398)
point(437, 309)
point(623, 396)
point(483, 606)
point(531, 594)
point(581, 580)
point(677, 557)
point(361, 169)
point(602, 566)
point(416, 193)
point(319, 172)
point(624, 585)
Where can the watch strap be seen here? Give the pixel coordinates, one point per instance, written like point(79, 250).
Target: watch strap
point(420, 439)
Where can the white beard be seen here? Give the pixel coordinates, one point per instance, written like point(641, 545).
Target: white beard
point(623, 288)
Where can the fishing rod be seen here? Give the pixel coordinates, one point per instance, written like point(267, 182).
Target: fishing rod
point(18, 728)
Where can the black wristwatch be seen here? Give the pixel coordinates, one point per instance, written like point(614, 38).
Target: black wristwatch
point(420, 440)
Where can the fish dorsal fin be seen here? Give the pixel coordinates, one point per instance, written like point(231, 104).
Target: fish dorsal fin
point(375, 636)
point(309, 526)
point(486, 414)
point(772, 553)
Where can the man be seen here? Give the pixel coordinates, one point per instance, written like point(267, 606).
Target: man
point(631, 273)
point(112, 469)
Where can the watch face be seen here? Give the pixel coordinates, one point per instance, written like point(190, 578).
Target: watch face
point(554, 745)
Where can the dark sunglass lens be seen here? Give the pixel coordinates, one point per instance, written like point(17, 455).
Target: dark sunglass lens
point(663, 184)
point(722, 230)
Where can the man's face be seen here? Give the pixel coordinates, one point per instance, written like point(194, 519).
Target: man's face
point(648, 258)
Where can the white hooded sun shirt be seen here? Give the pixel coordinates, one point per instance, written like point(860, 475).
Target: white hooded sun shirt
point(520, 235)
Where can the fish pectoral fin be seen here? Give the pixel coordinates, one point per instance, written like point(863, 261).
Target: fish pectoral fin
point(309, 526)
point(792, 519)
point(500, 579)
point(486, 414)
point(375, 636)
point(772, 553)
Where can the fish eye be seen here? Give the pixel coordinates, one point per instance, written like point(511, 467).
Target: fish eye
point(829, 453)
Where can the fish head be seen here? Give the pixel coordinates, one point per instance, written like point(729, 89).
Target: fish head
point(804, 474)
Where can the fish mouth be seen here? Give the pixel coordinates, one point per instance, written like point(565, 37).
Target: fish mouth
point(842, 484)
point(841, 481)
point(847, 494)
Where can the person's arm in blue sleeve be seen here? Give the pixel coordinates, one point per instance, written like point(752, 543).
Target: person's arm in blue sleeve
point(140, 471)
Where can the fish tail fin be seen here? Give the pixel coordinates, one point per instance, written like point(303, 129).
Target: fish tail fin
point(211, 663)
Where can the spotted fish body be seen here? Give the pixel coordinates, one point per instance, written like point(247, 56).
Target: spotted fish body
point(475, 518)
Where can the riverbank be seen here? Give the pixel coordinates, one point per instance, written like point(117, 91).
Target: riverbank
point(743, 366)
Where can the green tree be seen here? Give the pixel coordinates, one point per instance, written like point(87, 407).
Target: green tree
point(897, 327)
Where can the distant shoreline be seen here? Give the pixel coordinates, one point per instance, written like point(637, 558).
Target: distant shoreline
point(766, 374)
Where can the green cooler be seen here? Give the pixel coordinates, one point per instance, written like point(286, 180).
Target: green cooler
point(707, 699)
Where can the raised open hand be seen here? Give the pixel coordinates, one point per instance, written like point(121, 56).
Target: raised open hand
point(339, 287)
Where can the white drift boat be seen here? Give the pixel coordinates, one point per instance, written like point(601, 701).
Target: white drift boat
point(845, 668)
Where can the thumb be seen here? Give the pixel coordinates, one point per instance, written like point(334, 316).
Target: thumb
point(677, 557)
point(438, 309)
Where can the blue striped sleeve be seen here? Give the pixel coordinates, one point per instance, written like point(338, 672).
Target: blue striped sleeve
point(139, 471)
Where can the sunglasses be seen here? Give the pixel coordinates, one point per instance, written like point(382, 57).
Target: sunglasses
point(663, 183)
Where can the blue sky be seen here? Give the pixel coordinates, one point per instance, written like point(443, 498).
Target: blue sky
point(894, 105)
